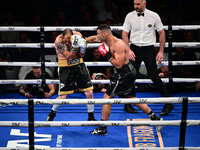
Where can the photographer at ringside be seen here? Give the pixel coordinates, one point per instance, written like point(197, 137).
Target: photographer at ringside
point(31, 90)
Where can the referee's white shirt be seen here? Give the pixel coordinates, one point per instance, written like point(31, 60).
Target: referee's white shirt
point(142, 28)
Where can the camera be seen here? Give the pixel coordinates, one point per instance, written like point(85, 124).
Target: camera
point(100, 76)
point(40, 92)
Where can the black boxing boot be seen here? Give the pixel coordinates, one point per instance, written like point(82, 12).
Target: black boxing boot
point(129, 108)
point(51, 115)
point(91, 116)
point(153, 117)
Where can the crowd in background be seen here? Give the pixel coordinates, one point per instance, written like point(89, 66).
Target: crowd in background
point(92, 13)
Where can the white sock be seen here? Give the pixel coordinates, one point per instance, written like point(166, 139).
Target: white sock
point(90, 108)
point(55, 107)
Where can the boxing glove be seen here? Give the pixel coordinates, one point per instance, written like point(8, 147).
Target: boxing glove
point(104, 51)
point(83, 45)
point(74, 42)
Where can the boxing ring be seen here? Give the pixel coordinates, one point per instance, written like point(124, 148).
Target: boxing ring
point(183, 102)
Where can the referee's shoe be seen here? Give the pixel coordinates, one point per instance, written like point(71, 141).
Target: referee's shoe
point(167, 109)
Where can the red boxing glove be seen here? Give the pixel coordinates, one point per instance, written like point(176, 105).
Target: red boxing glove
point(104, 51)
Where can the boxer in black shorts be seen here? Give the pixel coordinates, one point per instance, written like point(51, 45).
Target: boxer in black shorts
point(122, 81)
point(70, 48)
point(70, 75)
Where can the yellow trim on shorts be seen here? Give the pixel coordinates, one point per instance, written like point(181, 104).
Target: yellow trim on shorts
point(64, 63)
point(87, 89)
point(66, 92)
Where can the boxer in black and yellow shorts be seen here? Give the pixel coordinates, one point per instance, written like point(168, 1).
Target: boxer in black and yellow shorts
point(71, 72)
point(122, 82)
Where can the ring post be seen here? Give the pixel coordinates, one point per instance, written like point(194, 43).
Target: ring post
point(42, 56)
point(31, 123)
point(170, 54)
point(183, 123)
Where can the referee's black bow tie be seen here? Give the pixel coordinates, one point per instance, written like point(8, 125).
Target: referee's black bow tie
point(140, 14)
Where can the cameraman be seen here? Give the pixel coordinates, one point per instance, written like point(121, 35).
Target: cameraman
point(99, 87)
point(30, 90)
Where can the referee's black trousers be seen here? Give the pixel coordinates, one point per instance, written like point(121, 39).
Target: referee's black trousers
point(147, 54)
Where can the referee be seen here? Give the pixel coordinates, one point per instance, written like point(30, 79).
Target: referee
point(142, 24)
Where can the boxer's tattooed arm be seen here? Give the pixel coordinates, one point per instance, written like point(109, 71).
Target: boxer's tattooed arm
point(62, 47)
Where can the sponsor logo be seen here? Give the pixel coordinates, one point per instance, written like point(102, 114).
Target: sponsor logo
point(11, 28)
point(65, 124)
point(95, 63)
point(39, 102)
point(65, 102)
point(62, 85)
point(180, 63)
point(143, 100)
point(7, 82)
point(75, 61)
point(149, 25)
point(91, 102)
point(58, 29)
point(8, 45)
point(115, 124)
point(117, 102)
point(77, 29)
point(43, 125)
point(197, 63)
point(15, 124)
point(115, 29)
point(25, 142)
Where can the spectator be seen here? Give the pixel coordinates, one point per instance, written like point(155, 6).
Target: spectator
point(198, 87)
point(24, 54)
point(96, 57)
point(115, 33)
point(179, 15)
point(10, 36)
point(51, 39)
point(186, 71)
point(194, 11)
point(100, 87)
point(36, 21)
point(99, 5)
point(105, 13)
point(3, 58)
point(41, 91)
point(88, 20)
point(163, 72)
point(116, 19)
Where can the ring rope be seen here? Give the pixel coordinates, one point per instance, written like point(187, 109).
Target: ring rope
point(97, 123)
point(103, 148)
point(100, 101)
point(89, 45)
point(82, 28)
point(55, 64)
point(48, 81)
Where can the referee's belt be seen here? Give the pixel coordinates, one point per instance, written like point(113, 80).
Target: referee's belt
point(66, 63)
point(125, 69)
point(141, 46)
